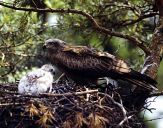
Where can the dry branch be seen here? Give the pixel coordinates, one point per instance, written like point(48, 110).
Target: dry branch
point(70, 94)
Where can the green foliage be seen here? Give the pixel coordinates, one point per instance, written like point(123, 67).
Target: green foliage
point(18, 39)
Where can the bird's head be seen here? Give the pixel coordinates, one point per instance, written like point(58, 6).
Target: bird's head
point(54, 44)
point(48, 68)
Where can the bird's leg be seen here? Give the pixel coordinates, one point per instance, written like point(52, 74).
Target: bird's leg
point(107, 80)
point(108, 83)
point(102, 81)
point(56, 81)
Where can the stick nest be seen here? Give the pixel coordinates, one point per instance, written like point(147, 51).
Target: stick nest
point(71, 106)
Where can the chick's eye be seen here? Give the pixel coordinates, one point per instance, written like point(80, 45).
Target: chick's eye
point(51, 70)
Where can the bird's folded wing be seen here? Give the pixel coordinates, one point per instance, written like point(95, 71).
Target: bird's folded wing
point(77, 49)
point(92, 58)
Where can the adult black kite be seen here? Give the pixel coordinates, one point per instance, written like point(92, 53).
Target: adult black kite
point(84, 64)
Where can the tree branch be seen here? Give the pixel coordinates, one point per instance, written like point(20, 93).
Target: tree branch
point(94, 23)
point(56, 94)
point(153, 60)
point(69, 94)
point(140, 18)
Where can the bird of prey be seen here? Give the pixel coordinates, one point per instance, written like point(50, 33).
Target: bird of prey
point(37, 81)
point(85, 64)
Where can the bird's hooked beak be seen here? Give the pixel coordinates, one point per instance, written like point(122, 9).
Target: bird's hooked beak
point(44, 46)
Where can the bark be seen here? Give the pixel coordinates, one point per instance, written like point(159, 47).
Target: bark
point(154, 58)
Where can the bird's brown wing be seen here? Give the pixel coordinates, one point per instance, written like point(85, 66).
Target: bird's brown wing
point(88, 58)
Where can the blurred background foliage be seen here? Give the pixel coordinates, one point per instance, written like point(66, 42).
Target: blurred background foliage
point(22, 34)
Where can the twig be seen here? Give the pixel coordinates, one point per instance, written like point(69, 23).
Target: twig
point(53, 94)
point(69, 94)
point(42, 95)
point(140, 18)
point(10, 104)
point(153, 119)
point(124, 120)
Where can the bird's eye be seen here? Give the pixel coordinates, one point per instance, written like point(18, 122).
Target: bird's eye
point(54, 43)
point(50, 43)
point(52, 71)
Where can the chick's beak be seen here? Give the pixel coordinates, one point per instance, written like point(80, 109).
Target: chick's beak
point(54, 73)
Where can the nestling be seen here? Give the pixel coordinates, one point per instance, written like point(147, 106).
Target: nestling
point(37, 81)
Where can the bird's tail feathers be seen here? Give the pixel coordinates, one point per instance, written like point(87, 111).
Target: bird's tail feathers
point(142, 84)
point(143, 77)
point(141, 80)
